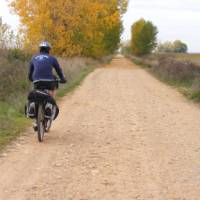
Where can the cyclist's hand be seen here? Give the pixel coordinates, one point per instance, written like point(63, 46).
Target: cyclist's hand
point(63, 81)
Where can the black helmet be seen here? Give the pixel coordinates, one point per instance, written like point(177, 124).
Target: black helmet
point(45, 47)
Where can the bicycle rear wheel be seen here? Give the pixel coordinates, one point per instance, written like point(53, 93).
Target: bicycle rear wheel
point(40, 123)
point(48, 123)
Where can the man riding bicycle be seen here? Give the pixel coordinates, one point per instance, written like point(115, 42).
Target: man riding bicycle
point(41, 74)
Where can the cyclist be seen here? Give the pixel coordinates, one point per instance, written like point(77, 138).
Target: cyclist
point(41, 74)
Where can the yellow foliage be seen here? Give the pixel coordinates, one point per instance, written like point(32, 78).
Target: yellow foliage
point(73, 27)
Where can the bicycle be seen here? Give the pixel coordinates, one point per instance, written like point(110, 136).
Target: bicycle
point(43, 123)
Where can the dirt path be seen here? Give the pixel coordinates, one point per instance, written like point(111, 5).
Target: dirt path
point(122, 135)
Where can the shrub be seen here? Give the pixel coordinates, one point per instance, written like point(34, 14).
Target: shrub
point(12, 77)
point(18, 54)
point(171, 69)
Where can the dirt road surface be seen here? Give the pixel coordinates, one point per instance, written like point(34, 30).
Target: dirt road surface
point(122, 135)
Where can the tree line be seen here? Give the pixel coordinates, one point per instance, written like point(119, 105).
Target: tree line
point(144, 41)
point(73, 27)
point(8, 39)
point(175, 47)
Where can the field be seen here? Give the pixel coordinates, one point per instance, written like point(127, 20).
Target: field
point(195, 58)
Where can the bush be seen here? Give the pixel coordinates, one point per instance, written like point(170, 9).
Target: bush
point(18, 54)
point(13, 73)
point(173, 70)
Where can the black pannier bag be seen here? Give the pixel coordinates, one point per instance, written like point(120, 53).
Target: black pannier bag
point(38, 96)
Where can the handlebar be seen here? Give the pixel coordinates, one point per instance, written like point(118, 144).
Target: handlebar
point(57, 80)
point(61, 81)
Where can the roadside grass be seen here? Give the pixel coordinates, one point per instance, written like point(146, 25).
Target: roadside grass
point(180, 74)
point(192, 57)
point(14, 88)
point(12, 123)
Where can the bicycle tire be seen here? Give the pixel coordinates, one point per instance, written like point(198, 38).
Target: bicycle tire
point(40, 123)
point(48, 124)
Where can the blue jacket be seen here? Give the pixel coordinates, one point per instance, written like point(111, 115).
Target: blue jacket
point(41, 68)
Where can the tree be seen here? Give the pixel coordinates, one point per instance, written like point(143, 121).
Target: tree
point(180, 47)
point(173, 47)
point(125, 47)
point(144, 37)
point(73, 27)
point(165, 47)
point(6, 35)
point(123, 4)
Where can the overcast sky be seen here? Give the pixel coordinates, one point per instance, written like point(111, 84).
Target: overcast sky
point(7, 16)
point(175, 19)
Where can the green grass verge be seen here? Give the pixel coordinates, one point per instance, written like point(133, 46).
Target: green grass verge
point(185, 88)
point(12, 120)
point(12, 123)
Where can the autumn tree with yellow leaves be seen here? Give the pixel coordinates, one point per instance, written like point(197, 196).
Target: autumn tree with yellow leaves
point(73, 27)
point(144, 37)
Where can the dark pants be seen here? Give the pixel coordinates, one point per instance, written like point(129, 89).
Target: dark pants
point(46, 85)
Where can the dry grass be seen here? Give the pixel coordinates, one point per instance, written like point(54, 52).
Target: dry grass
point(181, 73)
point(191, 57)
point(195, 58)
point(13, 73)
point(73, 66)
point(174, 70)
